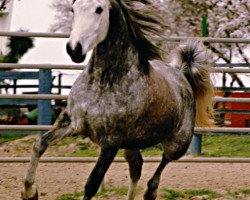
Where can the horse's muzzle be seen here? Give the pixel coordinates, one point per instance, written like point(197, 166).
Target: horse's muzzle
point(75, 54)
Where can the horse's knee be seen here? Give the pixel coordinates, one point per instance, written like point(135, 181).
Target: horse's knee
point(174, 150)
point(43, 142)
point(39, 147)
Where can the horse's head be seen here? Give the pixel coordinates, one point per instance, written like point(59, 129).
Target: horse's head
point(90, 27)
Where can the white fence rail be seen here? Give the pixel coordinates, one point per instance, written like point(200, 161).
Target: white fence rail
point(64, 97)
point(81, 67)
point(169, 39)
point(245, 131)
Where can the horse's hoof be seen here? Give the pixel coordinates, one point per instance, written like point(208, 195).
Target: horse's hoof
point(25, 197)
point(150, 195)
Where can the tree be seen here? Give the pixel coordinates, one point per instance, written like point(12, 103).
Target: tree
point(226, 18)
point(18, 46)
point(63, 16)
point(3, 4)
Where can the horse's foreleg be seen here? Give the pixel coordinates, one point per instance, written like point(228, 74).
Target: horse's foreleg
point(135, 162)
point(30, 192)
point(105, 159)
point(153, 183)
point(39, 148)
point(59, 131)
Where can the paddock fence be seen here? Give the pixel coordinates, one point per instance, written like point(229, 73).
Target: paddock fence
point(218, 68)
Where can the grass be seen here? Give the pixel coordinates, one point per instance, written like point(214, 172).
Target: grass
point(212, 146)
point(226, 146)
point(73, 196)
point(241, 194)
point(152, 151)
point(10, 137)
point(169, 194)
point(245, 191)
point(215, 146)
point(165, 194)
point(120, 191)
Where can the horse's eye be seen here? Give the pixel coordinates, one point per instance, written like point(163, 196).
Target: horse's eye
point(98, 10)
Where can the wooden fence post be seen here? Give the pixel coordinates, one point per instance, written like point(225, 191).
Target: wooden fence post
point(44, 106)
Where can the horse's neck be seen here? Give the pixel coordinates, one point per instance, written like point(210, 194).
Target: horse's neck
point(116, 55)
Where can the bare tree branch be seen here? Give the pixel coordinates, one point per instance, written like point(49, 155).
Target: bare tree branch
point(3, 4)
point(220, 54)
point(234, 76)
point(242, 53)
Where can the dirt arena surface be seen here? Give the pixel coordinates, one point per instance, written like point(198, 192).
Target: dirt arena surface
point(55, 179)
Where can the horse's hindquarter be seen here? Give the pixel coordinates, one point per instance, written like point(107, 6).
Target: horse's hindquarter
point(169, 98)
point(180, 94)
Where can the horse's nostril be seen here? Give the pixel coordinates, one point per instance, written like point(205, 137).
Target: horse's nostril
point(78, 48)
point(69, 49)
point(75, 53)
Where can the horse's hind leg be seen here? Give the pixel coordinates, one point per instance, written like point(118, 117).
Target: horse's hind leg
point(60, 130)
point(153, 183)
point(105, 159)
point(135, 162)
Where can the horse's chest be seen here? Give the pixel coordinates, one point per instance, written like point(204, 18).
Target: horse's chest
point(105, 111)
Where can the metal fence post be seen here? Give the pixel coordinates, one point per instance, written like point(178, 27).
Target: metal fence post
point(196, 144)
point(197, 138)
point(44, 106)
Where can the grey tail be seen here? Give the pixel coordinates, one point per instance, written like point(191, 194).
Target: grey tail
point(193, 60)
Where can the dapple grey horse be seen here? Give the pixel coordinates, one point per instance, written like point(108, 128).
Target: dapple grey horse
point(122, 99)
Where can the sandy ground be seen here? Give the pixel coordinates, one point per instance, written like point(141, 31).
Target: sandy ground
point(55, 179)
point(58, 178)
